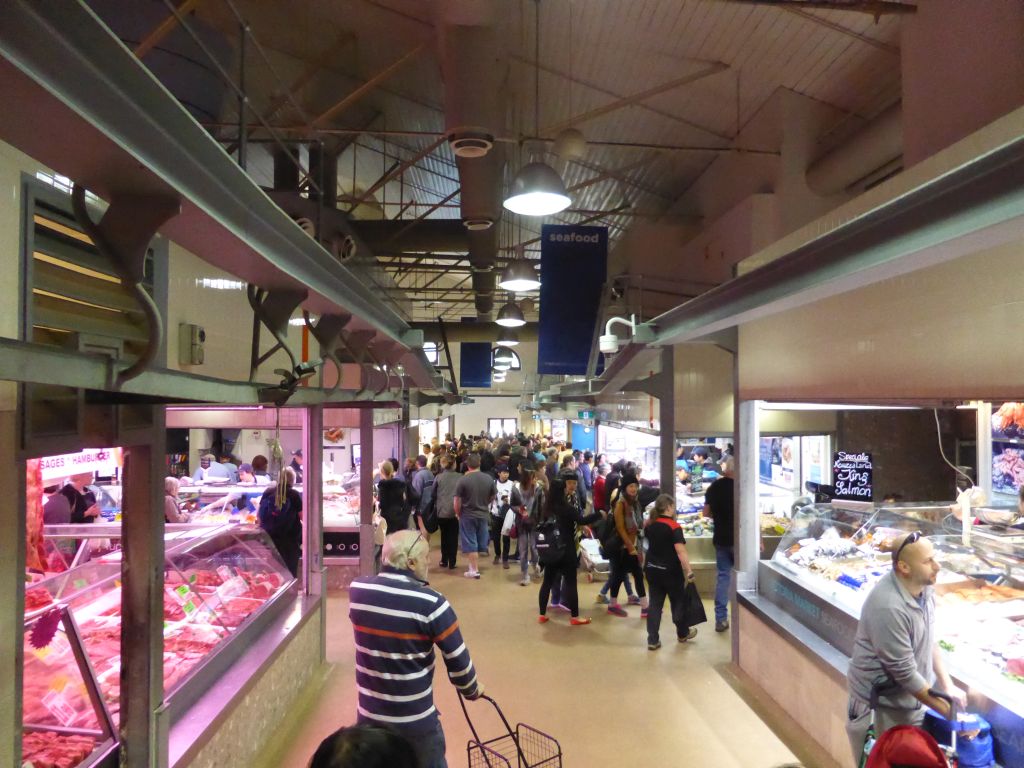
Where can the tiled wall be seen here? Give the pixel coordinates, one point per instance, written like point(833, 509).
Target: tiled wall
point(243, 735)
point(815, 699)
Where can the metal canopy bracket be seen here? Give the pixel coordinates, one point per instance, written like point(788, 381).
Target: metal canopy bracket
point(122, 236)
point(327, 331)
point(273, 309)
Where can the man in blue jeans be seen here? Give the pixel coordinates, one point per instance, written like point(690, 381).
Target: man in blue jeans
point(718, 505)
point(474, 493)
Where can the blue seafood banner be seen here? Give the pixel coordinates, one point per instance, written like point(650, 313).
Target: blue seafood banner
point(573, 270)
point(475, 364)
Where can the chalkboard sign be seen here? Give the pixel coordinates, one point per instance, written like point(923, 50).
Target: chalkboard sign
point(851, 476)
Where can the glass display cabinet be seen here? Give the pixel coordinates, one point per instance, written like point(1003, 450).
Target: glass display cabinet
point(219, 583)
point(832, 555)
point(64, 721)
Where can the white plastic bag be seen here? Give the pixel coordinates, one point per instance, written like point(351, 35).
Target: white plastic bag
point(510, 520)
point(380, 529)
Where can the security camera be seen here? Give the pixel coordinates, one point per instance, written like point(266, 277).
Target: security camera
point(608, 344)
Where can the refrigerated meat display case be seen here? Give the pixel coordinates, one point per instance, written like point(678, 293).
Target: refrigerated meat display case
point(222, 586)
point(64, 721)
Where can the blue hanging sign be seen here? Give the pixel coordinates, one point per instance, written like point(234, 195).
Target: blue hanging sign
point(475, 364)
point(573, 269)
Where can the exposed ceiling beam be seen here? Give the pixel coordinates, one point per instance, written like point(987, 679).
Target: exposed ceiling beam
point(367, 87)
point(424, 215)
point(305, 77)
point(636, 98)
point(890, 49)
point(398, 169)
point(163, 29)
point(599, 89)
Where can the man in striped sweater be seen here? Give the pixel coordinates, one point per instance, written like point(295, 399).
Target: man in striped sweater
point(397, 620)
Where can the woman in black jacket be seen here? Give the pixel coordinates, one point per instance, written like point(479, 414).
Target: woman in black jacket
point(568, 518)
point(392, 498)
point(280, 515)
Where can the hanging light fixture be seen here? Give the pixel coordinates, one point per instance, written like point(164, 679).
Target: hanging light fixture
point(503, 355)
point(510, 316)
point(519, 275)
point(507, 338)
point(537, 189)
point(501, 367)
point(498, 377)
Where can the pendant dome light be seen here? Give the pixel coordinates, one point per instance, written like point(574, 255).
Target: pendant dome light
point(500, 366)
point(510, 316)
point(537, 189)
point(507, 338)
point(498, 378)
point(520, 274)
point(504, 355)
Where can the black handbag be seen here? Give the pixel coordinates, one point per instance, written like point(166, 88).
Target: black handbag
point(693, 608)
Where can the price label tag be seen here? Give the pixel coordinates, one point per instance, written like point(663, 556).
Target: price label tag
point(53, 653)
point(224, 572)
point(57, 705)
point(233, 587)
point(189, 608)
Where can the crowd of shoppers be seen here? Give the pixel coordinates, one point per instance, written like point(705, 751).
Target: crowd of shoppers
point(489, 496)
point(490, 499)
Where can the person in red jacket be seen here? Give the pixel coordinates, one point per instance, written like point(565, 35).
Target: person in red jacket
point(600, 497)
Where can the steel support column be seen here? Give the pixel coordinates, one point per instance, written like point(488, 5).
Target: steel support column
point(12, 586)
point(748, 531)
point(142, 728)
point(366, 470)
point(667, 420)
point(314, 573)
point(312, 494)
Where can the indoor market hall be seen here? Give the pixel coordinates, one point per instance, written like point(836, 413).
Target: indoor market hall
point(511, 383)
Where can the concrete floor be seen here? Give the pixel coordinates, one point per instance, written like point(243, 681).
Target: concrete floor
point(595, 688)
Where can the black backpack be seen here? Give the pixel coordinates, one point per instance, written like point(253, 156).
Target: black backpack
point(428, 507)
point(608, 535)
point(551, 545)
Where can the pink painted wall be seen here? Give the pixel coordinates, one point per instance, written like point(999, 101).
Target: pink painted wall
point(963, 67)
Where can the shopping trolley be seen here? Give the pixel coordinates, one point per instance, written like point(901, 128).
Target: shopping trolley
point(524, 747)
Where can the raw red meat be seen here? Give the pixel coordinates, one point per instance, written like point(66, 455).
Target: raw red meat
point(46, 749)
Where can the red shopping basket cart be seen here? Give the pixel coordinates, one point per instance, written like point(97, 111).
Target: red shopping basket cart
point(524, 747)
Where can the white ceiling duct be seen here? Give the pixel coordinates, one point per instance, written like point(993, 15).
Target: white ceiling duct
point(474, 67)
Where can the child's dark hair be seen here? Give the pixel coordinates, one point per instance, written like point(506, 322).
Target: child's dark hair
point(364, 746)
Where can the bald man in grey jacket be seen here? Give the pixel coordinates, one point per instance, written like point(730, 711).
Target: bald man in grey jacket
point(895, 652)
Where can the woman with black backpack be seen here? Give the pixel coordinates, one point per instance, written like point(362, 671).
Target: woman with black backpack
point(557, 528)
point(280, 515)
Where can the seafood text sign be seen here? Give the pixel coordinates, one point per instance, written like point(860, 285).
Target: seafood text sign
point(851, 476)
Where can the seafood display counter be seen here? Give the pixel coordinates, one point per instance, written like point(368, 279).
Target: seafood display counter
point(223, 586)
point(832, 556)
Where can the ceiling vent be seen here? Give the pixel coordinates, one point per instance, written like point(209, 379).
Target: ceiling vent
point(477, 225)
point(470, 144)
